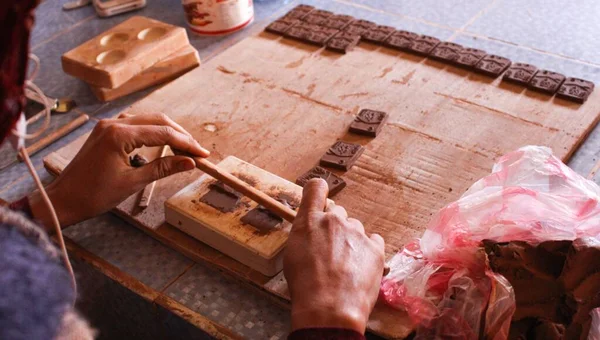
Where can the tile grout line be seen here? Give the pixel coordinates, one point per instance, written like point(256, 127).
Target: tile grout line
point(56, 35)
point(170, 283)
point(471, 34)
point(371, 9)
point(472, 20)
point(532, 49)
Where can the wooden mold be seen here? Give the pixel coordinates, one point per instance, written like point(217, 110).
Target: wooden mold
point(224, 231)
point(172, 67)
point(112, 58)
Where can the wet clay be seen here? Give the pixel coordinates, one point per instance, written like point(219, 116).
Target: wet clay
point(289, 200)
point(556, 285)
point(221, 197)
point(137, 160)
point(265, 220)
point(262, 219)
point(248, 179)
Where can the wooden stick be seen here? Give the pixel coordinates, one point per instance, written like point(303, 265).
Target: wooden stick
point(149, 189)
point(595, 169)
point(58, 133)
point(237, 184)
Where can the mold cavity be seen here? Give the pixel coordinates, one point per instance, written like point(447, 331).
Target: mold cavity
point(110, 57)
point(210, 127)
point(114, 39)
point(151, 34)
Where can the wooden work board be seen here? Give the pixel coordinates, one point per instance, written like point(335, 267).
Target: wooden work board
point(279, 104)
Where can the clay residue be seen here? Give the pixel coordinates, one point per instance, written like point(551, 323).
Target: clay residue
point(405, 79)
point(246, 178)
point(262, 219)
point(357, 94)
point(225, 70)
point(296, 63)
point(221, 197)
point(385, 72)
point(288, 199)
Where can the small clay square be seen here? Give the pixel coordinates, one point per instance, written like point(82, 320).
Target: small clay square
point(320, 35)
point(335, 183)
point(281, 25)
point(313, 34)
point(338, 21)
point(300, 31)
point(342, 155)
point(577, 90)
point(446, 51)
point(299, 11)
point(424, 44)
point(317, 17)
point(221, 197)
point(400, 40)
point(360, 27)
point(520, 73)
point(368, 122)
point(546, 81)
point(469, 57)
point(378, 34)
point(492, 65)
point(343, 42)
point(262, 219)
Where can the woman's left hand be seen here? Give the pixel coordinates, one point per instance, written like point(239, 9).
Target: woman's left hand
point(100, 176)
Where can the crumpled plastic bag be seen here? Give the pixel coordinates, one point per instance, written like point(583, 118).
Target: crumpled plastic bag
point(443, 280)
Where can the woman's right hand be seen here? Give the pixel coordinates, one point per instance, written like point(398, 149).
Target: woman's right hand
point(332, 267)
point(100, 177)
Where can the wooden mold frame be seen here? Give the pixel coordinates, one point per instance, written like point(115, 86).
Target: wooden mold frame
point(224, 231)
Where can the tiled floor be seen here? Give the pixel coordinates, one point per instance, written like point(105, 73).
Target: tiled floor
point(245, 312)
point(558, 35)
point(560, 27)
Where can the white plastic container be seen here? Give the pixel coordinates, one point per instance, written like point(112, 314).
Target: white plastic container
point(216, 17)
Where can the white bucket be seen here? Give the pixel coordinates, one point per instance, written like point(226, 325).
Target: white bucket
point(216, 17)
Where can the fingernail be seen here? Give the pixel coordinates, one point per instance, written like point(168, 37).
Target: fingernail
point(203, 150)
point(185, 165)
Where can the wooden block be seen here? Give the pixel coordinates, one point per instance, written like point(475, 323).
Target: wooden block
point(175, 65)
point(124, 51)
point(224, 231)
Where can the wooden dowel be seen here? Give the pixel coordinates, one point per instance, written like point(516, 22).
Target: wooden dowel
point(54, 135)
point(149, 189)
point(594, 170)
point(237, 184)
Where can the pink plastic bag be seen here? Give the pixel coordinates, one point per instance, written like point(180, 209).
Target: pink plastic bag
point(443, 281)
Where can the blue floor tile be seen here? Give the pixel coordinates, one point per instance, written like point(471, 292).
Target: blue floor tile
point(452, 13)
point(567, 28)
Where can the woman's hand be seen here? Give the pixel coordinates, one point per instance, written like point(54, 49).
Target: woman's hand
point(332, 268)
point(100, 176)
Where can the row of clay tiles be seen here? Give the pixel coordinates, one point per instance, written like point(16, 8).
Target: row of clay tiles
point(341, 33)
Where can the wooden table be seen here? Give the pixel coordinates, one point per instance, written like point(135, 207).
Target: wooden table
point(582, 162)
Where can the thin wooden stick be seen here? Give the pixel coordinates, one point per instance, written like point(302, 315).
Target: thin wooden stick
point(54, 135)
point(149, 189)
point(237, 184)
point(595, 169)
